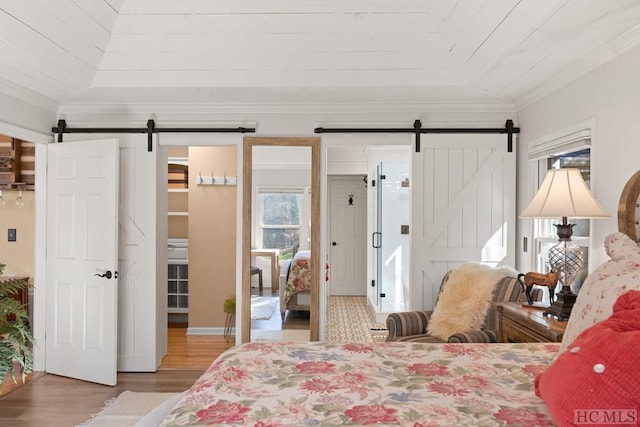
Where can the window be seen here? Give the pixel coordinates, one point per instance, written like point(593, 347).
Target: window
point(544, 232)
point(283, 218)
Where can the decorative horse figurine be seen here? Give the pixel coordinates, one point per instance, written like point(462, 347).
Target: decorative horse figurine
point(550, 280)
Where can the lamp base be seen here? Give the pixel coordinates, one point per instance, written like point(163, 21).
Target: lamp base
point(561, 308)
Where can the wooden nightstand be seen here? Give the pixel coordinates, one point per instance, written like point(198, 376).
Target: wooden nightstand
point(520, 323)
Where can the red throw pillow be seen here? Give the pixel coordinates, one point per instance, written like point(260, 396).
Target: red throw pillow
point(597, 379)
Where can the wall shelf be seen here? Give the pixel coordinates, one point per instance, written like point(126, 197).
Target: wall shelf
point(17, 163)
point(178, 196)
point(178, 288)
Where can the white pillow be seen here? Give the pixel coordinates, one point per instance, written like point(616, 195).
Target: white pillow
point(602, 288)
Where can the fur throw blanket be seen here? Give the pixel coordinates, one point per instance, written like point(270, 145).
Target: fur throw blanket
point(465, 299)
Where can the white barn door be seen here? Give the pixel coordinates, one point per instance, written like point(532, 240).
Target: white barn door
point(82, 260)
point(463, 208)
point(140, 320)
point(142, 292)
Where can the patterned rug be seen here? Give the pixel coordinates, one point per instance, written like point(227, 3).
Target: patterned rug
point(349, 320)
point(280, 335)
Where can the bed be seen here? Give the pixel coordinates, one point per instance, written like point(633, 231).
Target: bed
point(295, 283)
point(393, 383)
point(430, 384)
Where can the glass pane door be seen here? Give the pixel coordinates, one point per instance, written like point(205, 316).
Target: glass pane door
point(391, 239)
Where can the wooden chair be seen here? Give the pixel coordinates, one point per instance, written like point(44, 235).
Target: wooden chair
point(257, 270)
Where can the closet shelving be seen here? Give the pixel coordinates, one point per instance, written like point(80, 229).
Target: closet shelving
point(178, 217)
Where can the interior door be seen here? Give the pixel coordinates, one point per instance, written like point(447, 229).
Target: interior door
point(376, 237)
point(82, 259)
point(391, 241)
point(465, 209)
point(348, 253)
point(140, 323)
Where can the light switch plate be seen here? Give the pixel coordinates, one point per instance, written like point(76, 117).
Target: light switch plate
point(11, 235)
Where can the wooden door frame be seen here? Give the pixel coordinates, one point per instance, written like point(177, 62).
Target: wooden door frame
point(247, 197)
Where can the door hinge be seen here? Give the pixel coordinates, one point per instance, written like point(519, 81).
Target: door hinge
point(373, 283)
point(383, 295)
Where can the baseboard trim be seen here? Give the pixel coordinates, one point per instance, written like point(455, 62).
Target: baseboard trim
point(208, 331)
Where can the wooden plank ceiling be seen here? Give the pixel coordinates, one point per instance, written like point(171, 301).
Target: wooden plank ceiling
point(433, 51)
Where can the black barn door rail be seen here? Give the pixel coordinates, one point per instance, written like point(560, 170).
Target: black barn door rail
point(149, 130)
point(418, 130)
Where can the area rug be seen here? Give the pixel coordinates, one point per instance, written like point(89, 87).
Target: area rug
point(129, 408)
point(349, 320)
point(262, 308)
point(300, 335)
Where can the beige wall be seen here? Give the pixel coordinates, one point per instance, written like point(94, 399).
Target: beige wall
point(212, 236)
point(18, 255)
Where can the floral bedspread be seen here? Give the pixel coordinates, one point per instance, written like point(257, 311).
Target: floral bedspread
point(299, 277)
point(388, 383)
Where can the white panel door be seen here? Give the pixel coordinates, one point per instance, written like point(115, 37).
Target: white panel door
point(138, 284)
point(348, 239)
point(463, 208)
point(82, 246)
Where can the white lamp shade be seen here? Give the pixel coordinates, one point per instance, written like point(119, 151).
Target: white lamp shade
point(564, 193)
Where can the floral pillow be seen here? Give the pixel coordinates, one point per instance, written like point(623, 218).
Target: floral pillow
point(603, 287)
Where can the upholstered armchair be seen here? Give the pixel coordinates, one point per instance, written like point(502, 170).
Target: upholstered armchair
point(414, 326)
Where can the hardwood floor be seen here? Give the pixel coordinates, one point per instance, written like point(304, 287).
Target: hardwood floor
point(55, 401)
point(193, 351)
point(52, 401)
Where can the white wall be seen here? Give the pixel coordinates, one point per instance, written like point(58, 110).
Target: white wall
point(609, 97)
point(279, 177)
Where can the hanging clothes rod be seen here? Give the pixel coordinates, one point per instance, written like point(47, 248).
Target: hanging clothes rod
point(418, 130)
point(149, 130)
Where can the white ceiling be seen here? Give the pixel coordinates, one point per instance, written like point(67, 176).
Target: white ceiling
point(501, 53)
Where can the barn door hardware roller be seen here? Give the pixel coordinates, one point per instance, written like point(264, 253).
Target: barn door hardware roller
point(150, 129)
point(418, 130)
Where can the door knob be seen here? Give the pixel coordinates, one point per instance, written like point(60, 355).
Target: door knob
point(334, 244)
point(107, 274)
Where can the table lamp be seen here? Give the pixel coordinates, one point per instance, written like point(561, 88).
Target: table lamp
point(564, 194)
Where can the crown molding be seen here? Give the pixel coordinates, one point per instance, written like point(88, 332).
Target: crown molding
point(24, 134)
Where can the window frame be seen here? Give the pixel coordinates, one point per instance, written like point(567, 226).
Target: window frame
point(542, 232)
point(305, 213)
